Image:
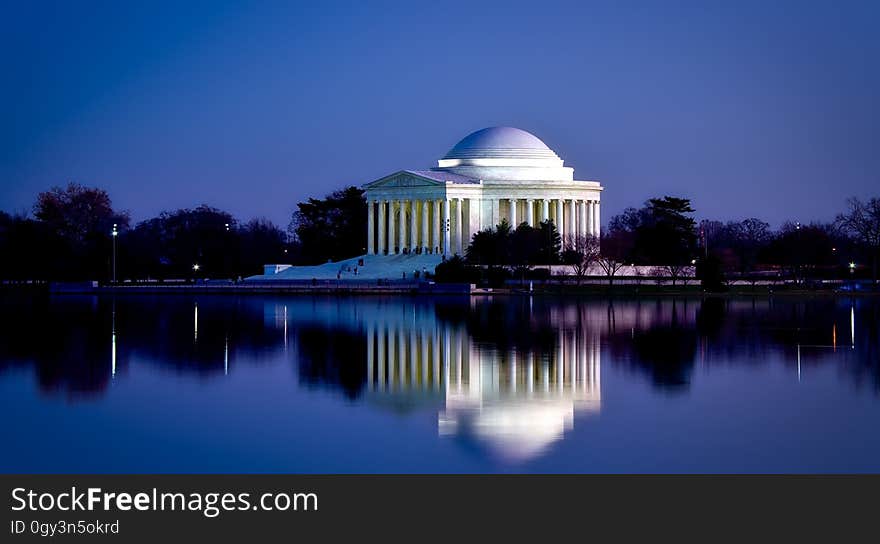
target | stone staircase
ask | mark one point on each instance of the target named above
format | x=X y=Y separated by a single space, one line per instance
x=392 y=267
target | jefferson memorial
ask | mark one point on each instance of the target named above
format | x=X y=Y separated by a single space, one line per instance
x=415 y=218
x=493 y=174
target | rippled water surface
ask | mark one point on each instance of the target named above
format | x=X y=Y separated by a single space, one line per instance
x=319 y=384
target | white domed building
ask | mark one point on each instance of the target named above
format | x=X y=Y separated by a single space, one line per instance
x=493 y=174
x=417 y=217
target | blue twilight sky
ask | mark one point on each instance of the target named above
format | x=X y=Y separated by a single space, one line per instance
x=766 y=109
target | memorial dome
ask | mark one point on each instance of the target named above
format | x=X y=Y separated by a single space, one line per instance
x=501 y=143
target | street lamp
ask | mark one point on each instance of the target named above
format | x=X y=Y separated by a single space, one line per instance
x=196 y=267
x=852 y=268
x=227 y=227
x=114 y=234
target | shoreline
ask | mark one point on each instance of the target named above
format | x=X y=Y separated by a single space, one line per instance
x=411 y=288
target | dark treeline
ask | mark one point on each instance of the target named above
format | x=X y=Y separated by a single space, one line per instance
x=663 y=234
x=332 y=228
x=69 y=236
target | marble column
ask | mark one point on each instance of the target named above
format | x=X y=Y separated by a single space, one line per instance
x=545 y=210
x=446 y=227
x=572 y=219
x=435 y=237
x=370 y=226
x=413 y=226
x=530 y=212
x=589 y=206
x=381 y=248
x=513 y=222
x=560 y=224
x=597 y=225
x=425 y=241
x=582 y=228
x=401 y=225
x=392 y=226
x=459 y=226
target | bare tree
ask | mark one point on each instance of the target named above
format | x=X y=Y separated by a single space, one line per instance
x=637 y=274
x=580 y=253
x=610 y=266
x=616 y=245
x=660 y=274
x=863 y=221
x=676 y=271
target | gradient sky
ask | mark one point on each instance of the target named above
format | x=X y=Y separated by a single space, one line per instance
x=766 y=109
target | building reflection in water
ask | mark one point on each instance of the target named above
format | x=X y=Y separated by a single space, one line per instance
x=113 y=340
x=507 y=373
x=515 y=402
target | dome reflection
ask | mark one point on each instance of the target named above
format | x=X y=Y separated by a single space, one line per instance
x=516 y=403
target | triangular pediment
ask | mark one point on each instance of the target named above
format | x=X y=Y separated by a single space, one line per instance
x=404 y=179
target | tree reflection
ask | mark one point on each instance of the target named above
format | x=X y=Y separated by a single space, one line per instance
x=69 y=348
x=342 y=344
x=664 y=348
x=332 y=357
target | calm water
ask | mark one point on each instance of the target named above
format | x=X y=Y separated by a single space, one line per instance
x=299 y=384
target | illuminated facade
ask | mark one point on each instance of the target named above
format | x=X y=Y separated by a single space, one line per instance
x=493 y=174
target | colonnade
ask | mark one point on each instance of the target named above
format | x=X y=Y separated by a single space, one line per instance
x=444 y=225
x=573 y=217
x=418 y=226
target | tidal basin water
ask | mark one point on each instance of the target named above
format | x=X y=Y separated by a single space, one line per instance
x=180 y=383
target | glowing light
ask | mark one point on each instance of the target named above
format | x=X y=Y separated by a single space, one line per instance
x=196 y=323
x=285 y=327
x=799 y=361
x=852 y=266
x=226 y=355
x=196 y=267
x=113 y=343
x=852 y=326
